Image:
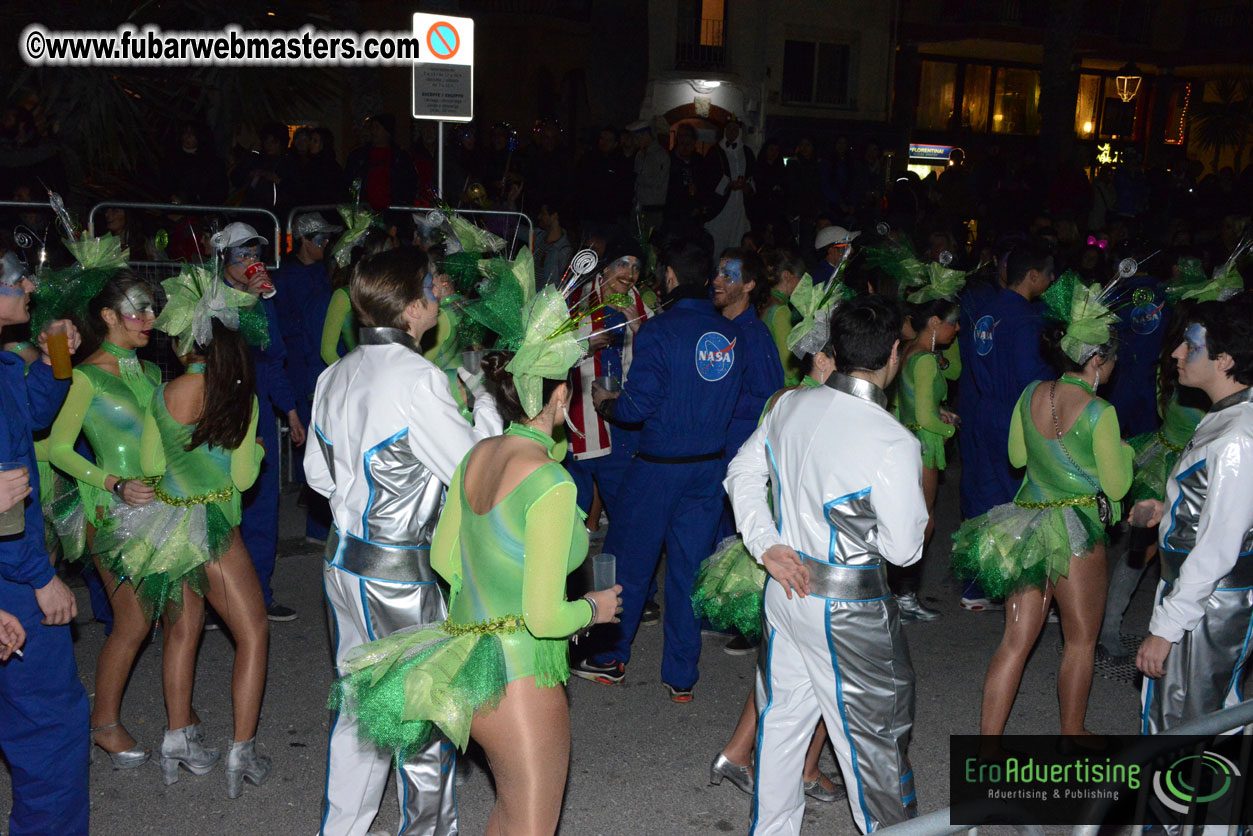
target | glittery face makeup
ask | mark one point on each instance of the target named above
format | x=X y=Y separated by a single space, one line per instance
x=731 y=271
x=136 y=305
x=428 y=287
x=239 y=255
x=1194 y=343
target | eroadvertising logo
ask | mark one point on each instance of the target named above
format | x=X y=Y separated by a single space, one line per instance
x=1173 y=788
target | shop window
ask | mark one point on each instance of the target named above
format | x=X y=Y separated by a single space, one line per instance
x=935 y=94
x=1016 y=102
x=817 y=73
x=976 y=93
x=1087 y=106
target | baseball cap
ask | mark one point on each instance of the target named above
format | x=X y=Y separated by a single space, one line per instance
x=235 y=234
x=829 y=235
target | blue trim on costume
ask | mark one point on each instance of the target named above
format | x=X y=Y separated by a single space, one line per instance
x=1175 y=507
x=839 y=700
x=907 y=776
x=826 y=513
x=778 y=500
x=913 y=796
x=326 y=783
x=1148 y=683
x=1236 y=675
x=366 y=458
x=365 y=610
x=761 y=717
x=404 y=799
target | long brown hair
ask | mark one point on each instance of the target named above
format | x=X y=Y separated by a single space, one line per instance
x=229 y=386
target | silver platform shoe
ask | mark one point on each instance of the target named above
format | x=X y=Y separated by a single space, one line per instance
x=741 y=777
x=244 y=761
x=130 y=759
x=185 y=746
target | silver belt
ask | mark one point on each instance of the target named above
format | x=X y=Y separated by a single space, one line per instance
x=386 y=563
x=841 y=582
x=1240 y=576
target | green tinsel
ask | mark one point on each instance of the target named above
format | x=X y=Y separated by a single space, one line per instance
x=728 y=589
x=1151 y=466
x=502 y=306
x=66 y=293
x=463 y=269
x=255 y=326
x=1057 y=298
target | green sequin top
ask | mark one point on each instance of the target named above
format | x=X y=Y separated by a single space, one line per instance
x=1093 y=442
x=202 y=473
x=922 y=389
x=514 y=560
x=109 y=412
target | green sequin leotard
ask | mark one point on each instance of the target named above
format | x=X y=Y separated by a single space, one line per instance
x=1054 y=515
x=1157 y=452
x=920 y=392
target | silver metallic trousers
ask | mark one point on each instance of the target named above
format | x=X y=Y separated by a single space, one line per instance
x=848 y=662
x=359 y=610
x=1204 y=670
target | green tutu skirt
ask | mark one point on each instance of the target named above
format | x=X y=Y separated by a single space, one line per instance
x=402 y=687
x=728 y=589
x=1152 y=465
x=932 y=448
x=65 y=524
x=157 y=548
x=1011 y=548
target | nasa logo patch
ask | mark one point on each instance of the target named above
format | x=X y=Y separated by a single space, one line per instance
x=985 y=328
x=715 y=355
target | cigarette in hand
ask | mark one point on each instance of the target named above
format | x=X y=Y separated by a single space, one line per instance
x=17 y=650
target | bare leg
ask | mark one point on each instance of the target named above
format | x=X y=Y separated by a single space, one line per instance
x=739 y=749
x=1081 y=601
x=811 y=772
x=930 y=487
x=527 y=742
x=235 y=594
x=1024 y=618
x=178 y=659
x=117 y=658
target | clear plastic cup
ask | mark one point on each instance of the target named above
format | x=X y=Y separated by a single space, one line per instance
x=604 y=571
x=13 y=521
x=472 y=361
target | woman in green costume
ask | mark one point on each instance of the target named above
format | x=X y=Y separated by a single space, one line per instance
x=361 y=238
x=786 y=269
x=199 y=443
x=107 y=401
x=1050 y=541
x=509 y=535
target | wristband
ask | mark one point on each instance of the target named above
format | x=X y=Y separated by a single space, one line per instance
x=595 y=610
x=117 y=489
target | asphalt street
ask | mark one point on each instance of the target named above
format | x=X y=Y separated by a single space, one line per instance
x=639 y=765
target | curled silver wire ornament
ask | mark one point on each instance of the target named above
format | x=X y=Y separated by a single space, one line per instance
x=1127 y=267
x=583 y=262
x=945 y=258
x=25 y=238
x=882 y=228
x=435 y=218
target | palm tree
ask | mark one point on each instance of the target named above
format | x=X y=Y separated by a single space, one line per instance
x=1225 y=119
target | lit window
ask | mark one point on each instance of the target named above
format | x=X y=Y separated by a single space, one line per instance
x=935 y=94
x=1016 y=102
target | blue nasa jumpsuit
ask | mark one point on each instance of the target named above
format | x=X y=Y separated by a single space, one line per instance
x=1000 y=353
x=43 y=708
x=1141 y=329
x=259 y=527
x=763 y=376
x=304 y=293
x=684 y=384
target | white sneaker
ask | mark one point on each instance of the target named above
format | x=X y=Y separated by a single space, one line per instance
x=981 y=604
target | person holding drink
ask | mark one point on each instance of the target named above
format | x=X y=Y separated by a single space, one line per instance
x=44 y=705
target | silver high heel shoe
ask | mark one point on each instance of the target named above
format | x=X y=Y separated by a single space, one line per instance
x=741 y=777
x=816 y=791
x=243 y=761
x=130 y=759
x=186 y=746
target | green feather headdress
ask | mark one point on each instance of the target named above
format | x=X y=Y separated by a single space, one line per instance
x=939 y=281
x=815 y=305
x=548 y=349
x=1225 y=283
x=357 y=223
x=1085 y=311
x=196 y=297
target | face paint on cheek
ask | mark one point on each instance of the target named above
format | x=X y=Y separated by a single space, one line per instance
x=1194 y=341
x=238 y=255
x=428 y=287
x=732 y=271
x=136 y=305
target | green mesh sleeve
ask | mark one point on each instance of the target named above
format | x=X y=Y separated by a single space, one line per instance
x=66 y=429
x=550 y=524
x=954 y=357
x=447 y=535
x=1017 y=435
x=337 y=315
x=1113 y=456
x=151 y=450
x=246 y=458
x=926 y=408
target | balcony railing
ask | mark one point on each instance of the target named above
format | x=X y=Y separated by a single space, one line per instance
x=701 y=45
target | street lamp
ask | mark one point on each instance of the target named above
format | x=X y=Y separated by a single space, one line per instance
x=1127 y=82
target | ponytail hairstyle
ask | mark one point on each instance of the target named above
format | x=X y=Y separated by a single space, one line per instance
x=919 y=315
x=499 y=382
x=229 y=386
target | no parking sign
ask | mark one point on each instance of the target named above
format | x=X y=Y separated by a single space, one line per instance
x=443 y=78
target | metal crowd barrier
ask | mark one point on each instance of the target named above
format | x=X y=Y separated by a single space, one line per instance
x=1146 y=750
x=269 y=221
x=519 y=218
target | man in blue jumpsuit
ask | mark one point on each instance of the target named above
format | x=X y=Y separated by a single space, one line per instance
x=259 y=527
x=1141 y=329
x=684 y=384
x=740 y=290
x=1000 y=353
x=43 y=708
x=304 y=293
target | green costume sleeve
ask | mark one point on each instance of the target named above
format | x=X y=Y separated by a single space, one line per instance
x=1113 y=456
x=779 y=324
x=448 y=535
x=550 y=522
x=66 y=429
x=336 y=326
x=926 y=406
x=246 y=458
x=151 y=450
x=1017 y=436
x=954 y=357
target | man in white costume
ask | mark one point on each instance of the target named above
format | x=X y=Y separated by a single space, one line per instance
x=389 y=437
x=846 y=480
x=732 y=162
